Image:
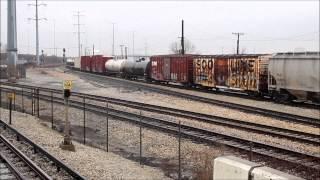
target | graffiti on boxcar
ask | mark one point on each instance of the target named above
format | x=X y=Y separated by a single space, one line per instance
x=204 y=71
x=243 y=73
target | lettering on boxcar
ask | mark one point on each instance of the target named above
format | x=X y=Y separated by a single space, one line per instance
x=204 y=71
x=243 y=73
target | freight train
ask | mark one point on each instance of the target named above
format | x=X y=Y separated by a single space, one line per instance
x=282 y=76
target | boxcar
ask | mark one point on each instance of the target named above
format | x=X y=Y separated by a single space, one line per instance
x=248 y=73
x=85 y=63
x=295 y=76
x=94 y=63
x=77 y=63
x=204 y=71
x=172 y=68
x=238 y=72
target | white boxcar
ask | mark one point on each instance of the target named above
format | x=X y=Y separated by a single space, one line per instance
x=77 y=63
x=295 y=76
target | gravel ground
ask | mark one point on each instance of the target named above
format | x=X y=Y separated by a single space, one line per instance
x=89 y=162
x=53 y=77
x=159 y=149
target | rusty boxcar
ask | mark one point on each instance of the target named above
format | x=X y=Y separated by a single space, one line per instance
x=95 y=60
x=248 y=72
x=94 y=63
x=98 y=63
x=238 y=72
x=85 y=63
x=172 y=68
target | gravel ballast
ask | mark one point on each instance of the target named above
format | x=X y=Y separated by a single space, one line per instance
x=90 y=162
x=54 y=77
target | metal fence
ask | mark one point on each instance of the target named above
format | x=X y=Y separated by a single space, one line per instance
x=91 y=122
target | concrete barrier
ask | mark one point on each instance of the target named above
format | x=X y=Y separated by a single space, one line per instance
x=233 y=168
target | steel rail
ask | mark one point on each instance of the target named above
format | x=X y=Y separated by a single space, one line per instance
x=304 y=137
x=202 y=135
x=14 y=171
x=38 y=148
x=36 y=169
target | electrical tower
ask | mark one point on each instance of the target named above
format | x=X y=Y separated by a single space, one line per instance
x=37 y=19
x=78 y=15
x=238 y=34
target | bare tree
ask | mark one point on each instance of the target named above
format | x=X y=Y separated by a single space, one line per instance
x=189 y=47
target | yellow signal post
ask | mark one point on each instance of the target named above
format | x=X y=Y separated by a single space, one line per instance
x=67 y=141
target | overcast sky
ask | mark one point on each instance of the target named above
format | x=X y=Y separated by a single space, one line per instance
x=268 y=27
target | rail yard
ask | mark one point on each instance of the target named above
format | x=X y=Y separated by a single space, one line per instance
x=163 y=90
x=207 y=129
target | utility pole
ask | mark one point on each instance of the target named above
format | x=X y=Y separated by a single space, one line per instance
x=126 y=52
x=238 y=34
x=182 y=38
x=145 y=48
x=113 y=38
x=12 y=40
x=79 y=32
x=121 y=46
x=133 y=44
x=37 y=28
x=93 y=50
x=0 y=38
x=54 y=38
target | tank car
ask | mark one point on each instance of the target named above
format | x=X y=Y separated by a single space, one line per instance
x=136 y=67
x=114 y=66
x=295 y=76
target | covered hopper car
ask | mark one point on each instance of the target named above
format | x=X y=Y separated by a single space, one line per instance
x=295 y=76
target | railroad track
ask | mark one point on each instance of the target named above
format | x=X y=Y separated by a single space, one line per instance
x=308 y=161
x=303 y=137
x=244 y=108
x=200 y=135
x=6 y=171
x=248 y=109
x=210 y=91
x=43 y=165
x=21 y=165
